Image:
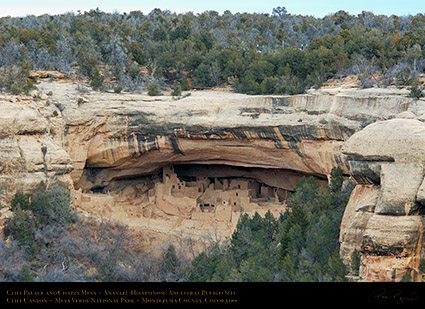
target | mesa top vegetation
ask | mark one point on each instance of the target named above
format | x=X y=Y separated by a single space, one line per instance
x=254 y=53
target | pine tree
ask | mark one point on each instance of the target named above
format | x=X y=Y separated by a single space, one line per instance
x=185 y=84
x=20 y=200
x=355 y=263
x=293 y=229
x=416 y=91
x=177 y=89
x=53 y=207
x=337 y=178
x=22 y=228
x=170 y=266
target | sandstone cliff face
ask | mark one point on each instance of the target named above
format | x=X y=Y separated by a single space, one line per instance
x=120 y=135
x=100 y=142
x=29 y=155
x=139 y=135
x=28 y=152
x=384 y=219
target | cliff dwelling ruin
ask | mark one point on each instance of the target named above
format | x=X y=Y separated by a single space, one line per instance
x=192 y=196
x=193 y=192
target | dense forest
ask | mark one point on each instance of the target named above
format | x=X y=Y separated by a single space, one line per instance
x=46 y=241
x=254 y=53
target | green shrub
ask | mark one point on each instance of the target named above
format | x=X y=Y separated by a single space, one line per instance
x=170 y=267
x=17 y=80
x=416 y=91
x=20 y=200
x=96 y=79
x=22 y=227
x=26 y=274
x=337 y=178
x=185 y=84
x=53 y=206
x=154 y=89
x=177 y=90
x=80 y=101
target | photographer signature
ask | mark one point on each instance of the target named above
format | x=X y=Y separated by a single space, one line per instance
x=383 y=295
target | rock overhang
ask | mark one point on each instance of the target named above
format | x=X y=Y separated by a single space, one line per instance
x=301 y=150
x=396 y=140
x=229 y=129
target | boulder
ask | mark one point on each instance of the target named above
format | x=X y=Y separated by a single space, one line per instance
x=420 y=195
x=399 y=140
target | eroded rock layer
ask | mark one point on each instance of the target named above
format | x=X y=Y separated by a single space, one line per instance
x=385 y=215
x=113 y=136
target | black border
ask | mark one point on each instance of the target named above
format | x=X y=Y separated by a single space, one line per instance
x=229 y=294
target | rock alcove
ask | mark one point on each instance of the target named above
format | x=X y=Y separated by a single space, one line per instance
x=189 y=191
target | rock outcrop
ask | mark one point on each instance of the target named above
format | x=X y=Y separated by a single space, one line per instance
x=109 y=149
x=112 y=136
x=28 y=153
x=384 y=219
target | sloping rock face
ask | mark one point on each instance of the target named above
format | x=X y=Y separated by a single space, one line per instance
x=117 y=138
x=384 y=218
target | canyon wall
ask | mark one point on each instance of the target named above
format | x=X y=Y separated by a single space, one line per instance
x=109 y=149
x=384 y=218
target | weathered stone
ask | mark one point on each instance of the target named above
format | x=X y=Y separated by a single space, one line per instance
x=406 y=115
x=56 y=158
x=358 y=211
x=17 y=118
x=46 y=74
x=392 y=235
x=399 y=140
x=366 y=172
x=387 y=268
x=23 y=136
x=391 y=239
x=130 y=135
x=420 y=195
x=399 y=184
